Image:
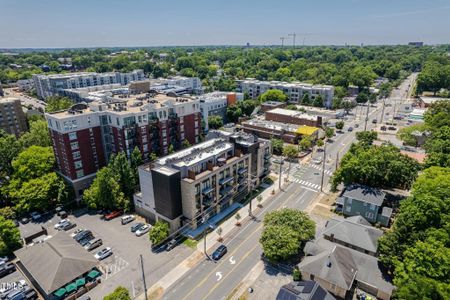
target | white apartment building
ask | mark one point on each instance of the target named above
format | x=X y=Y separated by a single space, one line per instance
x=193 y=84
x=49 y=85
x=294 y=90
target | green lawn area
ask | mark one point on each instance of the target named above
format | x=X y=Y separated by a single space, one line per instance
x=191 y=243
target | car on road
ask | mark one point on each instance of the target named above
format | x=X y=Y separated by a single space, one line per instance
x=61 y=223
x=104 y=253
x=317 y=161
x=136 y=227
x=356 y=125
x=35 y=216
x=6 y=269
x=67 y=226
x=350 y=129
x=91 y=245
x=143 y=230
x=112 y=215
x=392 y=128
x=219 y=252
x=170 y=245
x=374 y=121
x=127 y=219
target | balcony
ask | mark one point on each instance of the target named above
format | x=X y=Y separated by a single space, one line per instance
x=225 y=180
x=207 y=190
x=242 y=170
x=226 y=190
x=207 y=201
x=267 y=156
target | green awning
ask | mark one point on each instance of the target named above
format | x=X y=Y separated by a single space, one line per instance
x=60 y=292
x=93 y=274
x=80 y=282
x=71 y=287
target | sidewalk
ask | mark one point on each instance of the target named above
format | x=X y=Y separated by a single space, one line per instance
x=229 y=229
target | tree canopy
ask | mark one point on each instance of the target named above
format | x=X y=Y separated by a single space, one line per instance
x=159 y=232
x=120 y=293
x=56 y=103
x=215 y=122
x=285 y=231
x=274 y=95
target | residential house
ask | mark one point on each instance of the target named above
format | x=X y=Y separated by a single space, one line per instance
x=303 y=290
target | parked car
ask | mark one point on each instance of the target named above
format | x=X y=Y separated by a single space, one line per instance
x=219 y=252
x=61 y=223
x=112 y=215
x=6 y=269
x=35 y=216
x=127 y=219
x=63 y=214
x=317 y=161
x=16 y=295
x=350 y=129
x=356 y=125
x=76 y=231
x=24 y=220
x=143 y=230
x=136 y=227
x=91 y=245
x=86 y=240
x=170 y=245
x=383 y=128
x=104 y=253
x=67 y=226
x=81 y=235
x=374 y=121
x=392 y=128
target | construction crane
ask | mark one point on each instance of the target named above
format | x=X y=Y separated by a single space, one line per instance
x=282 y=41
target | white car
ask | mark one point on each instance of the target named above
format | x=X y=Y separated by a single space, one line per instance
x=104 y=253
x=61 y=223
x=143 y=230
x=317 y=161
x=76 y=232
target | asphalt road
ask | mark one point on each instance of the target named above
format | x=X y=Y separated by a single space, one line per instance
x=216 y=280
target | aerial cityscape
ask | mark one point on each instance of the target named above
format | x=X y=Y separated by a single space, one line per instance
x=225 y=150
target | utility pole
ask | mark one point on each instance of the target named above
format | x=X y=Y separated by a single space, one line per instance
x=367 y=116
x=281 y=170
x=293 y=37
x=204 y=236
x=337 y=160
x=323 y=165
x=382 y=112
x=282 y=41
x=250 y=214
x=143 y=276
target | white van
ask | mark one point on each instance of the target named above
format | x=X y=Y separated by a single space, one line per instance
x=127 y=219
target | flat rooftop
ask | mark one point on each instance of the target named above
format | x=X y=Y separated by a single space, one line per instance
x=8 y=99
x=272 y=125
x=285 y=84
x=292 y=113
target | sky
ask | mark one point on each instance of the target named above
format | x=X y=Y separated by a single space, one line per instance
x=132 y=23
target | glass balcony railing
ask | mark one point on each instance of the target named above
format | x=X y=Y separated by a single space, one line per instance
x=225 y=180
x=226 y=190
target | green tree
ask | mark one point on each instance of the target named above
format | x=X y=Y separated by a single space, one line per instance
x=306 y=100
x=329 y=132
x=362 y=97
x=277 y=146
x=340 y=125
x=185 y=144
x=290 y=151
x=318 y=101
x=9 y=149
x=9 y=237
x=37 y=136
x=57 y=103
x=366 y=137
x=284 y=233
x=215 y=122
x=124 y=173
x=376 y=166
x=7 y=212
x=120 y=293
x=320 y=143
x=406 y=133
x=233 y=113
x=362 y=77
x=273 y=95
x=433 y=77
x=32 y=163
x=305 y=143
x=159 y=232
x=135 y=161
x=105 y=192
x=171 y=149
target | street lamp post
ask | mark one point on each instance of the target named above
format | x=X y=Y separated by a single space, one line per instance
x=323 y=165
x=204 y=221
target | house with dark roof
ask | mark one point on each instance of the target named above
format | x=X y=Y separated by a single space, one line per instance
x=361 y=200
x=345 y=257
x=303 y=290
x=55 y=264
x=353 y=232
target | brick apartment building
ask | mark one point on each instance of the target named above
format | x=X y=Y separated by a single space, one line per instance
x=12 y=117
x=86 y=135
x=293 y=117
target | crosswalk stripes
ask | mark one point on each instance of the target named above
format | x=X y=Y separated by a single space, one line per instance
x=328 y=172
x=306 y=183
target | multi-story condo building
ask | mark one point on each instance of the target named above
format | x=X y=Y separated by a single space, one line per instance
x=197 y=186
x=294 y=90
x=191 y=84
x=49 y=85
x=12 y=117
x=86 y=135
x=215 y=104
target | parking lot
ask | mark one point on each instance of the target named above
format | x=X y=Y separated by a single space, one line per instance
x=123 y=267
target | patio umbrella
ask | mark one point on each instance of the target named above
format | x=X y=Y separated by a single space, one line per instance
x=80 y=282
x=71 y=287
x=60 y=292
x=93 y=274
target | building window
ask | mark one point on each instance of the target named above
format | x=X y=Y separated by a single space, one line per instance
x=372 y=206
x=80 y=173
x=72 y=136
x=369 y=215
x=78 y=164
x=74 y=146
x=76 y=155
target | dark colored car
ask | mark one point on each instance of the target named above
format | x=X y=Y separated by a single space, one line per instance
x=136 y=227
x=68 y=226
x=170 y=245
x=86 y=240
x=374 y=121
x=62 y=214
x=6 y=269
x=82 y=235
x=219 y=252
x=25 y=220
x=113 y=215
x=350 y=129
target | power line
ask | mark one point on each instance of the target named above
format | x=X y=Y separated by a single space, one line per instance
x=293 y=36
